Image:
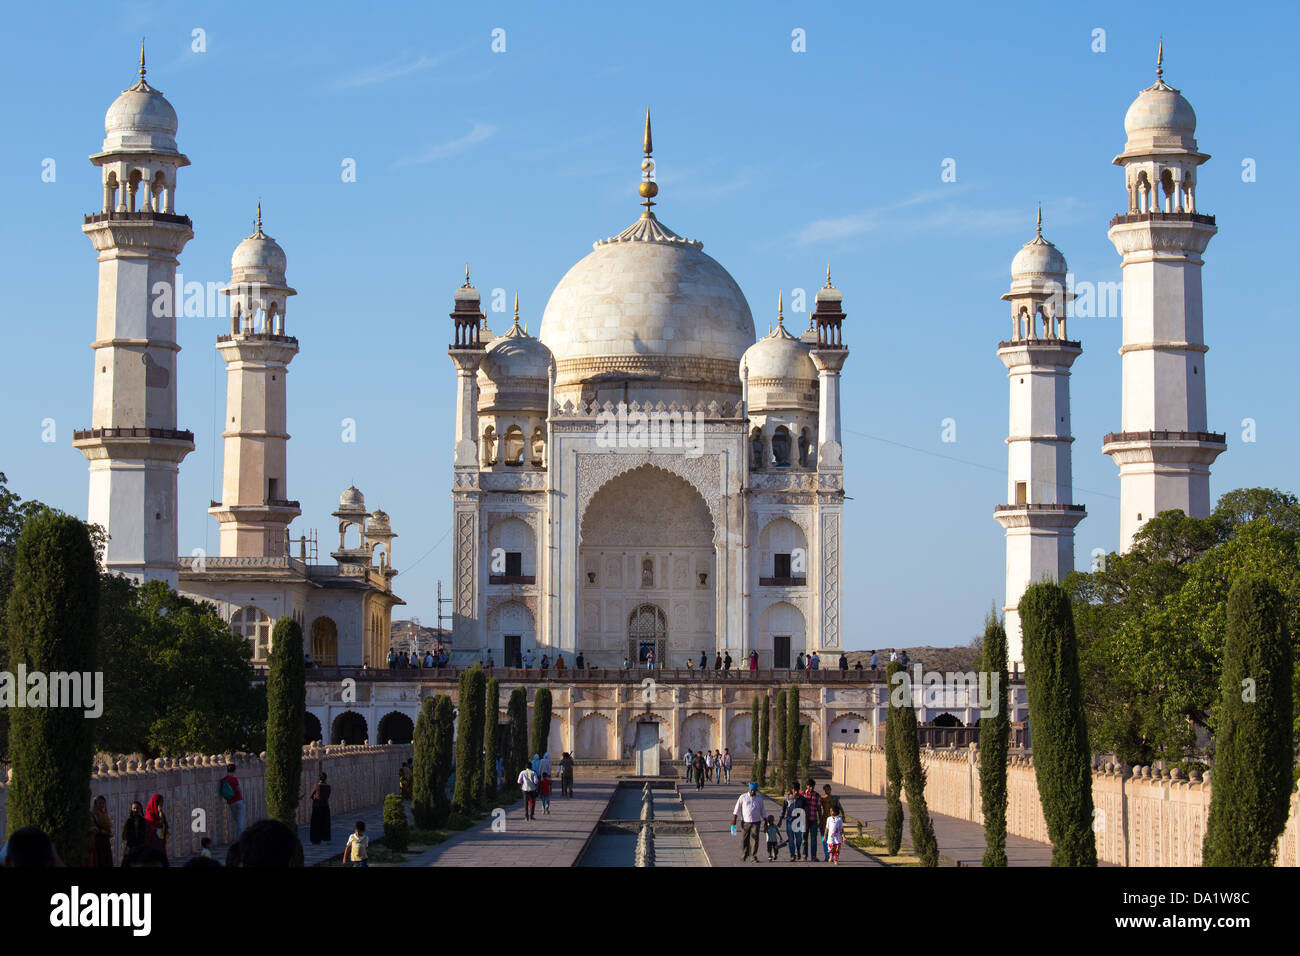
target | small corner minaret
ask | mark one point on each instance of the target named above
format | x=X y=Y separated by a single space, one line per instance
x=829 y=355
x=1040 y=515
x=466 y=351
x=255 y=511
x=133 y=445
x=1164 y=448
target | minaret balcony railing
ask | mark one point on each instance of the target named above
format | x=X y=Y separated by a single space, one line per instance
x=1040 y=507
x=171 y=434
x=258 y=337
x=1157 y=216
x=269 y=503
x=145 y=216
x=1215 y=438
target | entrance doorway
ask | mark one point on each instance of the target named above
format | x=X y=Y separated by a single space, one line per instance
x=647 y=630
x=512 y=651
x=647 y=748
x=781 y=651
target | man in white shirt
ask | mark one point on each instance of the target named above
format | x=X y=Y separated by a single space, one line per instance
x=749 y=808
x=527 y=781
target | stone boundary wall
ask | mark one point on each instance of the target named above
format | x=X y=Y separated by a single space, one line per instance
x=1146 y=817
x=360 y=777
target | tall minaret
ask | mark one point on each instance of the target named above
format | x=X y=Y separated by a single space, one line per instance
x=466 y=350
x=133 y=445
x=1164 y=450
x=255 y=510
x=1040 y=515
x=829 y=354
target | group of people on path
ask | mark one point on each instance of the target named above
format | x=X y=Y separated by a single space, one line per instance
x=535 y=781
x=809 y=818
x=707 y=765
x=412 y=660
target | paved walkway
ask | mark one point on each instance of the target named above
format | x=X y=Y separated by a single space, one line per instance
x=342 y=826
x=554 y=839
x=711 y=810
x=961 y=843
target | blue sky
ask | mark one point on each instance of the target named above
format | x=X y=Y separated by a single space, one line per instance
x=778 y=161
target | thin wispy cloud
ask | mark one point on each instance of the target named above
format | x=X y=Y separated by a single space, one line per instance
x=384 y=72
x=479 y=133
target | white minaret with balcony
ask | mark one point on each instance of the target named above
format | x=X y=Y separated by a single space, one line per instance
x=133 y=445
x=1040 y=514
x=1164 y=449
x=254 y=511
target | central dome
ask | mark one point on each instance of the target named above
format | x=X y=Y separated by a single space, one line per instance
x=649 y=307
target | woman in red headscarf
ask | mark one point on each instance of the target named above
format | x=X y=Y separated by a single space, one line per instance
x=159 y=830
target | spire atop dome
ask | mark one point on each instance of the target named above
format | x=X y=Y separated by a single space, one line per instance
x=516 y=308
x=780 y=308
x=648 y=188
x=257 y=223
x=1040 y=220
x=467 y=285
x=1160 y=61
x=142 y=70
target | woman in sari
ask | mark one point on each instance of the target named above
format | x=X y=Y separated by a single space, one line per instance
x=159 y=829
x=320 y=812
x=101 y=834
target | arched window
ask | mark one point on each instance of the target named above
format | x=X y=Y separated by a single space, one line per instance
x=252 y=624
x=781 y=446
x=647 y=630
x=804 y=445
x=648 y=573
x=539 y=446
x=756 y=448
x=324 y=642
x=514 y=450
x=489 y=446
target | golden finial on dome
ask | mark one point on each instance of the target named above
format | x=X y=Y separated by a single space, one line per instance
x=1160 y=61
x=259 y=213
x=142 y=58
x=780 y=308
x=828 y=275
x=516 y=309
x=1040 y=220
x=648 y=188
x=467 y=275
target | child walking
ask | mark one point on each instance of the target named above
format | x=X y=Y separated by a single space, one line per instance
x=358 y=845
x=773 y=837
x=544 y=791
x=834 y=833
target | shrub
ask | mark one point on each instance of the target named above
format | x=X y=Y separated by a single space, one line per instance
x=469 y=741
x=995 y=738
x=491 y=733
x=396 y=829
x=541 y=722
x=907 y=745
x=893 y=772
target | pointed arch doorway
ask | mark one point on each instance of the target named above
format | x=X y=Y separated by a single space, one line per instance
x=647 y=630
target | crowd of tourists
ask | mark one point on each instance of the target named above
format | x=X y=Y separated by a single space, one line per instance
x=708 y=765
x=536 y=781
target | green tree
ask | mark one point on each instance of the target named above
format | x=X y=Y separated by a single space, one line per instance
x=907 y=746
x=469 y=742
x=755 y=736
x=995 y=741
x=52 y=619
x=518 y=715
x=424 y=771
x=893 y=769
x=1062 y=760
x=491 y=734
x=397 y=833
x=444 y=730
x=541 y=721
x=764 y=738
x=792 y=733
x=805 y=752
x=1252 y=778
x=778 y=740
x=286 y=698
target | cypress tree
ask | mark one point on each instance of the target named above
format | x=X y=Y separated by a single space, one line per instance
x=755 y=735
x=397 y=832
x=995 y=740
x=778 y=743
x=907 y=745
x=1062 y=757
x=286 y=708
x=518 y=710
x=424 y=784
x=491 y=732
x=444 y=730
x=541 y=721
x=805 y=751
x=1251 y=777
x=52 y=619
x=893 y=770
x=469 y=741
x=765 y=738
x=791 y=748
